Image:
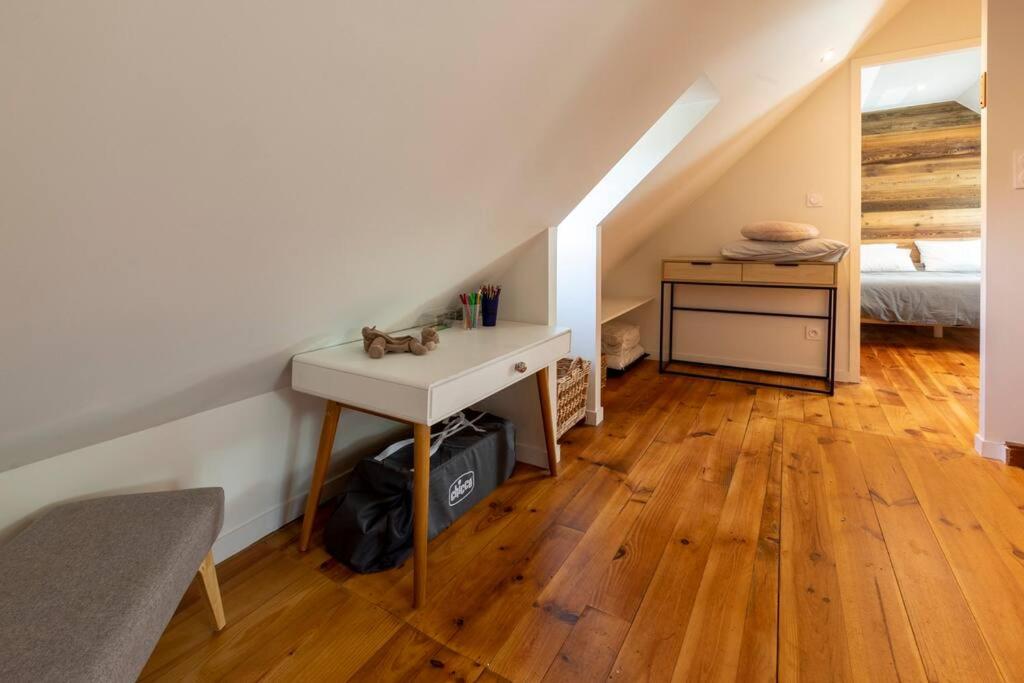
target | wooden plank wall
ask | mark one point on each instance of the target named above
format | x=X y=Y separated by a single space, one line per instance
x=921 y=174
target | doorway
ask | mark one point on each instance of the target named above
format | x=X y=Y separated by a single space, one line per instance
x=917 y=217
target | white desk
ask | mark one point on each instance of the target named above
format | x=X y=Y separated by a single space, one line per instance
x=465 y=368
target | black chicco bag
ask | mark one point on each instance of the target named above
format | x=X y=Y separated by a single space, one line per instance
x=472 y=453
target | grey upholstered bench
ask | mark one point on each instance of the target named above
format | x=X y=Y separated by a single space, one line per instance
x=88 y=588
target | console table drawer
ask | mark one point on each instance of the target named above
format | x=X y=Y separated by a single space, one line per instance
x=703 y=271
x=790 y=273
x=451 y=396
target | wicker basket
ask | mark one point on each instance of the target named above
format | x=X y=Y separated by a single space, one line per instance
x=573 y=376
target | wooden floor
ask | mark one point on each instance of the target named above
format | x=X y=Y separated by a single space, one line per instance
x=707 y=530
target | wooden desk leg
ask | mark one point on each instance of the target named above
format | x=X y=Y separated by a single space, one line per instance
x=332 y=411
x=421 y=511
x=549 y=426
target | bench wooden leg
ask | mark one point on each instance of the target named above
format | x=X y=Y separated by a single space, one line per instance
x=332 y=411
x=211 y=590
x=544 y=389
x=420 y=511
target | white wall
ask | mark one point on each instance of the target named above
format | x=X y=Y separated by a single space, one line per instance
x=579 y=235
x=1003 y=235
x=809 y=151
x=192 y=192
x=529 y=295
x=261 y=449
x=765 y=60
x=579 y=301
x=761 y=342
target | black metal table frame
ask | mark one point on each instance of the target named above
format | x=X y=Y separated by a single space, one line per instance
x=830 y=346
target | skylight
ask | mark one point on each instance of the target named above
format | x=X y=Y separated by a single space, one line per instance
x=660 y=139
x=579 y=245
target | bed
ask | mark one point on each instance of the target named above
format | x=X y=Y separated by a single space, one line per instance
x=921 y=298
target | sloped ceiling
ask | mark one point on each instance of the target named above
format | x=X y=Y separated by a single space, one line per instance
x=191 y=192
x=763 y=58
x=936 y=78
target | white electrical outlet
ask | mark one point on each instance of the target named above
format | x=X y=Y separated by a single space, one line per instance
x=812 y=332
x=1018 y=170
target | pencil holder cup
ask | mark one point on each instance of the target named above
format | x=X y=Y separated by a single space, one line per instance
x=490 y=312
x=471 y=316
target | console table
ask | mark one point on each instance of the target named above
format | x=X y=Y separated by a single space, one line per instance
x=465 y=368
x=718 y=272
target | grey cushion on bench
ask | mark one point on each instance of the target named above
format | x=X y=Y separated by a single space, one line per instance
x=88 y=588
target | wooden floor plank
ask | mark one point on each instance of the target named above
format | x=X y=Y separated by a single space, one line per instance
x=812 y=630
x=711 y=646
x=655 y=637
x=817 y=411
x=706 y=530
x=843 y=411
x=463 y=540
x=350 y=635
x=649 y=472
x=680 y=421
x=948 y=638
x=994 y=595
x=590 y=649
x=586 y=505
x=759 y=647
x=412 y=656
x=484 y=613
x=626 y=582
x=995 y=510
x=869 y=410
x=460 y=601
x=645 y=430
x=930 y=419
x=536 y=640
x=881 y=639
x=260 y=641
x=189 y=632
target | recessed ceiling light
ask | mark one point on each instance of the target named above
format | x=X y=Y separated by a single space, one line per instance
x=922 y=86
x=828 y=55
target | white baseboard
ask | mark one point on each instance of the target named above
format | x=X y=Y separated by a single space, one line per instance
x=595 y=417
x=841 y=375
x=244 y=535
x=744 y=363
x=847 y=377
x=996 y=450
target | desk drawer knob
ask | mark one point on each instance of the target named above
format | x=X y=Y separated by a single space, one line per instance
x=520 y=367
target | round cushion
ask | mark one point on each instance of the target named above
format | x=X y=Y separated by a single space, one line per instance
x=779 y=231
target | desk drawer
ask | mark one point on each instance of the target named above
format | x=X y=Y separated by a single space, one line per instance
x=460 y=392
x=790 y=273
x=703 y=271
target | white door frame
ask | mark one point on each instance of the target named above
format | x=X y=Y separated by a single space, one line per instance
x=856 y=65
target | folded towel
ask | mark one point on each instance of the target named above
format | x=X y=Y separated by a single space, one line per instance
x=619 y=361
x=616 y=336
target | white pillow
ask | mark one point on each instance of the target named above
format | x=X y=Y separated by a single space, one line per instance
x=779 y=231
x=885 y=258
x=950 y=256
